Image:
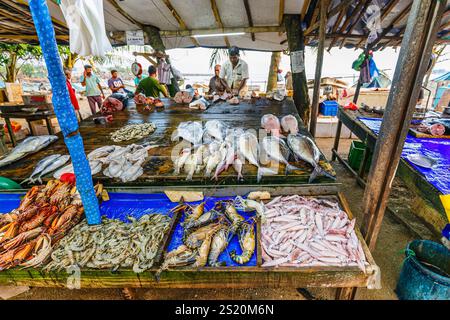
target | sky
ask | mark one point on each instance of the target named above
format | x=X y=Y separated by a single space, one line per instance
x=337 y=62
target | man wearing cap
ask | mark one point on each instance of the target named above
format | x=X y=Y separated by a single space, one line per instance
x=94 y=91
x=235 y=72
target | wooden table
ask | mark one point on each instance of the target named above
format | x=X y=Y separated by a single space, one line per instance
x=158 y=168
x=428 y=205
x=218 y=277
x=29 y=117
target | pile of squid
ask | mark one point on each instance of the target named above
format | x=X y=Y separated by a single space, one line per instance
x=113 y=244
x=44 y=216
x=303 y=232
x=207 y=234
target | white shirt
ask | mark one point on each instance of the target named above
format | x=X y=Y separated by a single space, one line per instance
x=235 y=75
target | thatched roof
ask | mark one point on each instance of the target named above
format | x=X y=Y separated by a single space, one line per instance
x=261 y=20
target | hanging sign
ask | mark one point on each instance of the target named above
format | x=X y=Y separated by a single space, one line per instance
x=135 y=38
x=297 y=61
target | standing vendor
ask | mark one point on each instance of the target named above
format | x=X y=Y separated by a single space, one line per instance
x=94 y=91
x=235 y=72
x=216 y=83
x=150 y=86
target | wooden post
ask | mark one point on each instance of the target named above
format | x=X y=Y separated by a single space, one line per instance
x=296 y=45
x=154 y=39
x=418 y=40
x=319 y=62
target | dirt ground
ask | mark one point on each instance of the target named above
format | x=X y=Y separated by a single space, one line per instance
x=388 y=255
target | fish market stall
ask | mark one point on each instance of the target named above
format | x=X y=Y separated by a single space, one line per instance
x=220 y=241
x=428 y=183
x=154 y=130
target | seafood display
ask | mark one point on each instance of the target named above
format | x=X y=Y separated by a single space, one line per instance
x=207 y=234
x=271 y=124
x=289 y=124
x=435 y=126
x=183 y=97
x=133 y=131
x=124 y=163
x=199 y=104
x=190 y=131
x=44 y=216
x=46 y=166
x=112 y=245
x=304 y=148
x=28 y=146
x=302 y=231
x=141 y=99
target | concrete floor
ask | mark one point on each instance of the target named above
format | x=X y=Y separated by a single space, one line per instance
x=388 y=255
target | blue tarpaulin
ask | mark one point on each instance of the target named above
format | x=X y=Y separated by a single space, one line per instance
x=437 y=149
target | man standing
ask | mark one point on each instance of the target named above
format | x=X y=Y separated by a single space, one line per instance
x=217 y=84
x=150 y=86
x=235 y=72
x=94 y=91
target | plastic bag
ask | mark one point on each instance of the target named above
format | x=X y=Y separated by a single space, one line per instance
x=86 y=23
x=372 y=19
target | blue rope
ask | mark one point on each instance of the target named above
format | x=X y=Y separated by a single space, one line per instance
x=64 y=110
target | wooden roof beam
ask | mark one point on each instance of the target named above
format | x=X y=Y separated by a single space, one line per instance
x=125 y=14
x=30 y=37
x=215 y=10
x=397 y=20
x=336 y=26
x=60 y=25
x=331 y=14
x=249 y=17
x=179 y=20
x=363 y=9
x=305 y=8
x=188 y=33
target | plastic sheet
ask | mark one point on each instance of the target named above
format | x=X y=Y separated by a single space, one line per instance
x=437 y=149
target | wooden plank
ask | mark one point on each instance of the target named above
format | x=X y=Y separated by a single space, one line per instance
x=249 y=17
x=158 y=168
x=217 y=277
x=216 y=13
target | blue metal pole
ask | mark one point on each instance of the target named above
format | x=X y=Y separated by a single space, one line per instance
x=64 y=110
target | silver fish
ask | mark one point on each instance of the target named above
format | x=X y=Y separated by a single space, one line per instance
x=58 y=163
x=213 y=161
x=60 y=172
x=41 y=165
x=215 y=129
x=27 y=146
x=305 y=149
x=190 y=131
x=190 y=165
x=248 y=147
x=101 y=152
x=277 y=150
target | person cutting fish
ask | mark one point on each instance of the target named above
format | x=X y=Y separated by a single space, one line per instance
x=218 y=84
x=235 y=72
x=150 y=86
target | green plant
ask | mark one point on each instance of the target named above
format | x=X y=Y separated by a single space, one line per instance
x=11 y=54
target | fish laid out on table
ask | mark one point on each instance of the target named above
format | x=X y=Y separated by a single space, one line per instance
x=215 y=147
x=44 y=216
x=113 y=244
x=304 y=232
x=46 y=166
x=124 y=163
x=28 y=146
x=206 y=234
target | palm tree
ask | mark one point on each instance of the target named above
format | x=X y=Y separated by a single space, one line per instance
x=273 y=71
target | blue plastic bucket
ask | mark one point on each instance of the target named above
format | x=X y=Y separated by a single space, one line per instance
x=425 y=272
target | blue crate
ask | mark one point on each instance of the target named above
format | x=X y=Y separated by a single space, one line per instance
x=329 y=108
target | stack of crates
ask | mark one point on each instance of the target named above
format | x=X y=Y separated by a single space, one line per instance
x=329 y=108
x=355 y=155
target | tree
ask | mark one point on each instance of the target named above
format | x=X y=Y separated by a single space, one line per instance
x=68 y=58
x=11 y=54
x=273 y=71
